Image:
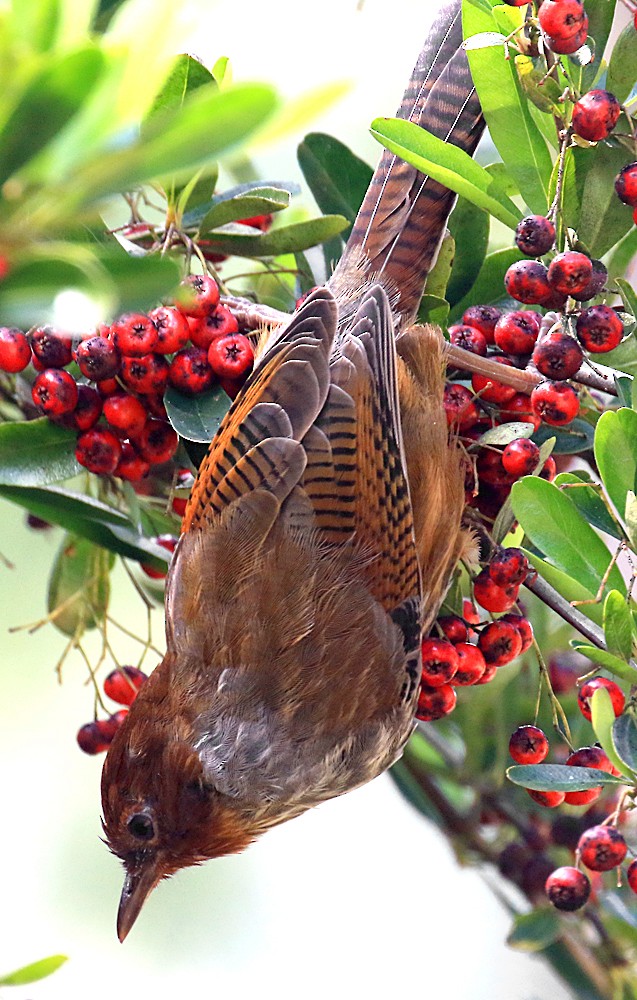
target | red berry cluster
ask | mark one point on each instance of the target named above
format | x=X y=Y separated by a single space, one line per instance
x=113 y=397
x=121 y=686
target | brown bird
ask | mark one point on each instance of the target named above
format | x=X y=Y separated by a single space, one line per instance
x=316 y=546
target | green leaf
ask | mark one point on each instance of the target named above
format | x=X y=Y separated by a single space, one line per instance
x=197 y=418
x=603 y=721
x=556 y=527
x=488 y=287
x=620 y=78
x=36 y=452
x=79 y=585
x=231 y=206
x=624 y=737
x=616 y=454
x=469 y=227
x=506 y=518
x=285 y=239
x=186 y=75
x=621 y=255
x=630 y=518
x=603 y=218
x=275 y=191
x=578 y=437
x=588 y=501
x=337 y=178
x=34 y=971
x=618 y=626
x=447 y=164
x=559 y=777
x=628 y=295
x=433 y=309
x=610 y=662
x=535 y=930
x=543 y=91
x=600 y=19
x=438 y=277
x=505 y=433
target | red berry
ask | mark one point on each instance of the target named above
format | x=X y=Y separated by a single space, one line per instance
x=135 y=335
x=595 y=114
x=122 y=684
x=490 y=390
x=118 y=717
x=570 y=271
x=524 y=627
x=491 y=470
x=98 y=359
x=591 y=757
x=568 y=888
x=439 y=662
x=87 y=409
x=626 y=184
x=470 y=612
x=231 y=356
x=262 y=222
x=107 y=386
x=172 y=329
x=198 y=294
x=460 y=406
x=563 y=671
x=98 y=450
x=435 y=702
x=558 y=356
x=561 y=19
x=190 y=372
x=595 y=285
x=520 y=457
x=491 y=597
x=126 y=414
x=54 y=392
x=602 y=848
x=96 y=737
x=500 y=642
x=631 y=871
x=168 y=542
x=482 y=318
x=469 y=339
x=566 y=46
x=550 y=800
x=549 y=469
x=519 y=408
x=588 y=689
x=557 y=403
x=205 y=329
x=15 y=352
x=527 y=281
x=471 y=665
x=508 y=566
x=51 y=347
x=131 y=465
x=147 y=374
x=453 y=628
x=528 y=745
x=516 y=332
x=534 y=235
x=600 y=329
x=157 y=442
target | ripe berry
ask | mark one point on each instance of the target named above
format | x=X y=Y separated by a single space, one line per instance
x=557 y=403
x=527 y=281
x=107 y=386
x=122 y=684
x=490 y=390
x=205 y=329
x=520 y=457
x=589 y=687
x=482 y=318
x=626 y=184
x=131 y=465
x=516 y=332
x=558 y=356
x=528 y=745
x=15 y=352
x=168 y=542
x=460 y=406
x=600 y=329
x=435 y=702
x=561 y=19
x=471 y=665
x=570 y=271
x=146 y=374
x=126 y=414
x=500 y=642
x=591 y=757
x=524 y=627
x=439 y=662
x=491 y=597
x=550 y=800
x=595 y=114
x=87 y=409
x=98 y=359
x=135 y=335
x=98 y=450
x=231 y=356
x=172 y=329
x=563 y=671
x=508 y=567
x=631 y=875
x=468 y=338
x=491 y=470
x=51 y=348
x=54 y=392
x=453 y=628
x=190 y=372
x=198 y=294
x=602 y=848
x=595 y=284
x=519 y=408
x=534 y=235
x=157 y=442
x=262 y=222
x=96 y=737
x=566 y=46
x=568 y=888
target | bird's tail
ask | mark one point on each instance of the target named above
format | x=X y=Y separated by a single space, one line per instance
x=402 y=220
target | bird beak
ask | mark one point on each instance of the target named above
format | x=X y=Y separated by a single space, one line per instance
x=138 y=885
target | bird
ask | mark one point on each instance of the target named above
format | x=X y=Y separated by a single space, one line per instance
x=316 y=546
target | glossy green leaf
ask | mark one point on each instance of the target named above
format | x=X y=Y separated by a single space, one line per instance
x=616 y=454
x=505 y=433
x=231 y=207
x=569 y=588
x=603 y=721
x=275 y=191
x=506 y=518
x=34 y=971
x=469 y=227
x=285 y=239
x=600 y=20
x=186 y=75
x=535 y=930
x=624 y=737
x=576 y=438
x=620 y=256
x=628 y=295
x=618 y=626
x=438 y=277
x=622 y=74
x=448 y=164
x=543 y=91
x=433 y=309
x=610 y=662
x=79 y=585
x=588 y=501
x=36 y=452
x=197 y=418
x=603 y=218
x=630 y=519
x=337 y=178
x=559 y=777
x=557 y=528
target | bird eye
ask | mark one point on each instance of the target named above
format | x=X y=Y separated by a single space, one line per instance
x=141 y=826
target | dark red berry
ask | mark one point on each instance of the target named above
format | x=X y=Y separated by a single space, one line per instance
x=489 y=389
x=147 y=374
x=491 y=470
x=135 y=335
x=469 y=339
x=564 y=668
x=439 y=662
x=508 y=566
x=491 y=597
x=96 y=737
x=520 y=457
x=482 y=318
x=516 y=332
x=231 y=356
x=262 y=222
x=588 y=689
x=602 y=848
x=131 y=465
x=590 y=757
x=54 y=392
x=527 y=281
x=52 y=348
x=570 y=272
x=535 y=235
x=122 y=684
x=198 y=295
x=557 y=403
x=15 y=352
x=87 y=409
x=500 y=642
x=568 y=888
x=549 y=799
x=157 y=442
x=460 y=406
x=595 y=285
x=435 y=702
x=118 y=717
x=558 y=356
x=172 y=329
x=98 y=359
x=98 y=450
x=205 y=329
x=600 y=329
x=561 y=19
x=168 y=542
x=626 y=184
x=190 y=372
x=453 y=628
x=595 y=114
x=107 y=386
x=566 y=46
x=528 y=745
x=524 y=627
x=471 y=665
x=126 y=414
x=631 y=872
